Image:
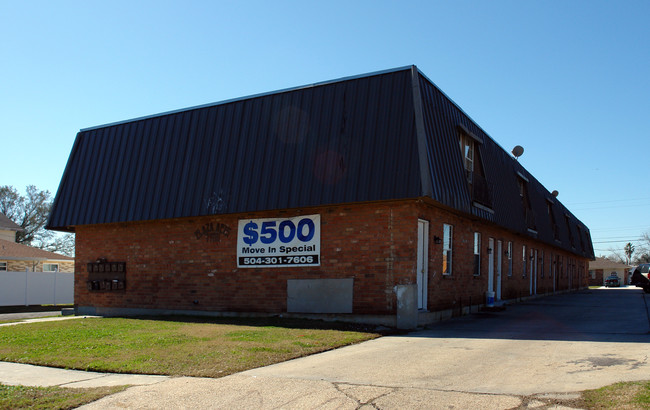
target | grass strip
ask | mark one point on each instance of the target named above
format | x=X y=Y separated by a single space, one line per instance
x=22 y=397
x=624 y=395
x=176 y=346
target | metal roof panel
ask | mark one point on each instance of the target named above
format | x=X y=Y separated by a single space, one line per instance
x=342 y=141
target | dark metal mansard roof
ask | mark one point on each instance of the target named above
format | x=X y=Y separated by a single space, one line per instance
x=381 y=136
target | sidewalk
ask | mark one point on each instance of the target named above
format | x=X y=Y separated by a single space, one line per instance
x=36 y=317
x=29 y=375
x=537 y=354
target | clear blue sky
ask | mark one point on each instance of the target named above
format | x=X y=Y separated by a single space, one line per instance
x=567 y=80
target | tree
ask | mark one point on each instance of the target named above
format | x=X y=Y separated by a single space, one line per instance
x=629 y=250
x=643 y=258
x=615 y=255
x=643 y=251
x=31 y=212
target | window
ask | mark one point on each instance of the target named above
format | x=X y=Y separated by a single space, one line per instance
x=467 y=149
x=477 y=253
x=480 y=190
x=525 y=202
x=509 y=258
x=447 y=240
x=582 y=242
x=568 y=227
x=523 y=265
x=542 y=262
x=551 y=215
x=50 y=267
x=3 y=266
x=592 y=274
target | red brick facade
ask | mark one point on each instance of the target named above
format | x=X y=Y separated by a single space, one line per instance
x=462 y=287
x=172 y=264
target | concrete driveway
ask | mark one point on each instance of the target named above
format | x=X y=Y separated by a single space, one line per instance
x=526 y=356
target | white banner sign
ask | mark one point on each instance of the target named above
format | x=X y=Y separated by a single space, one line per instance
x=275 y=242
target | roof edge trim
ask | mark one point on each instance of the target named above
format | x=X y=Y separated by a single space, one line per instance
x=26 y=258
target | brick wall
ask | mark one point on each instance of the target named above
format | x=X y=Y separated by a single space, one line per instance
x=463 y=288
x=598 y=278
x=169 y=266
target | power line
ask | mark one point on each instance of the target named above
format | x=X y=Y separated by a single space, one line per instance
x=609 y=201
x=622 y=240
x=619 y=228
x=621 y=237
x=609 y=207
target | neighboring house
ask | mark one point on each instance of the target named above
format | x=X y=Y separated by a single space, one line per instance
x=601 y=268
x=15 y=257
x=372 y=198
x=8 y=228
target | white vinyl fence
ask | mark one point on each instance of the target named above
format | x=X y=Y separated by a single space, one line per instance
x=36 y=288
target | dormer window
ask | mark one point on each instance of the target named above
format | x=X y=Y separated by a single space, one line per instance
x=467 y=149
x=568 y=227
x=525 y=201
x=551 y=216
x=480 y=189
x=582 y=242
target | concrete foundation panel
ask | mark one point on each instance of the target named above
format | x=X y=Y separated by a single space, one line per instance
x=319 y=295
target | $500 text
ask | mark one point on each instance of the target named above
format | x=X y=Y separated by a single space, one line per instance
x=286 y=231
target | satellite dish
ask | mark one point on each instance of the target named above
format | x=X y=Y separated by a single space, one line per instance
x=517 y=151
x=555 y=193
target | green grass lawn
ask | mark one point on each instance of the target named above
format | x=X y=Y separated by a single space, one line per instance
x=22 y=397
x=180 y=346
x=628 y=395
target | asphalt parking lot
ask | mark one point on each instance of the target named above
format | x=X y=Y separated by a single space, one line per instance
x=532 y=352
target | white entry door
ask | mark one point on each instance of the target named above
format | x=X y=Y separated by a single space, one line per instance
x=535 y=279
x=423 y=262
x=491 y=265
x=499 y=269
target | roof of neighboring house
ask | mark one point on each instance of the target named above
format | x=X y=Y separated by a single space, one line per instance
x=8 y=224
x=380 y=136
x=604 y=263
x=16 y=251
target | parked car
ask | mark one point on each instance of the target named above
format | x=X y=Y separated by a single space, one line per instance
x=613 y=281
x=640 y=277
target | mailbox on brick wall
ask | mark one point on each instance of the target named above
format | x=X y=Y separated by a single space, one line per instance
x=107 y=276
